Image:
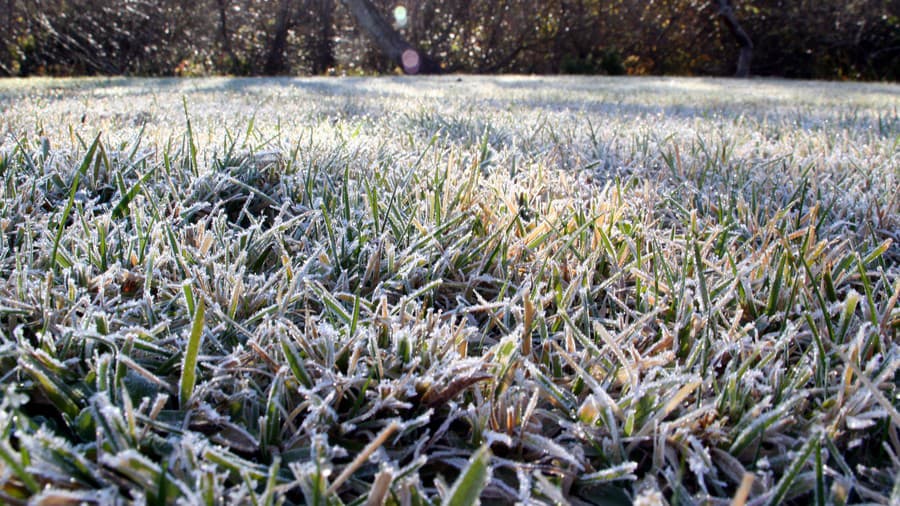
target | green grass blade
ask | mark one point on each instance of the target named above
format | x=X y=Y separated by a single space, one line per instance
x=189 y=367
x=122 y=206
x=7 y=455
x=295 y=362
x=192 y=146
x=790 y=474
x=467 y=488
x=85 y=163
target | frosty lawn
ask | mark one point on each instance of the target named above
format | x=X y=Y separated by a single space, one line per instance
x=419 y=291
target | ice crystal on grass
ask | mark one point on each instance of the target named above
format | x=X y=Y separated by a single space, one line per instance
x=582 y=290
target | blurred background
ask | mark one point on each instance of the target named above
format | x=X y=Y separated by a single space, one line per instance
x=821 y=39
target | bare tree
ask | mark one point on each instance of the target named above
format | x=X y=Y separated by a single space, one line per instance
x=726 y=11
x=389 y=41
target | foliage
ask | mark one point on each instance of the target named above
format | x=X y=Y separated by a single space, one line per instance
x=269 y=292
x=832 y=39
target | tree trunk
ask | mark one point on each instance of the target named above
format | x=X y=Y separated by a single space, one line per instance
x=224 y=36
x=6 y=40
x=391 y=43
x=727 y=13
x=275 y=59
x=322 y=46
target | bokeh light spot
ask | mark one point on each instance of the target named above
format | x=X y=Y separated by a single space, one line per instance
x=400 y=15
x=411 y=61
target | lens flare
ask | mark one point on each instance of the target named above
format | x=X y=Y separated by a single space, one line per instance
x=411 y=61
x=400 y=16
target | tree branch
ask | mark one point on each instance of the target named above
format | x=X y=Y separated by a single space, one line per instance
x=734 y=26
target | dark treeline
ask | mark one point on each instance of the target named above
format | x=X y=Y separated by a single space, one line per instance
x=831 y=39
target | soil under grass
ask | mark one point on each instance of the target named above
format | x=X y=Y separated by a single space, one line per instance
x=422 y=291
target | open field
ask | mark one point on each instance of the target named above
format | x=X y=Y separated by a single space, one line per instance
x=416 y=291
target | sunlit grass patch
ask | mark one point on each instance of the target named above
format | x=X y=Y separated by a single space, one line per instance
x=422 y=291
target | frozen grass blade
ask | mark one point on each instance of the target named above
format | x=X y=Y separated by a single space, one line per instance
x=76 y=179
x=791 y=473
x=331 y=302
x=15 y=465
x=467 y=488
x=624 y=471
x=122 y=207
x=819 y=496
x=295 y=362
x=191 y=353
x=192 y=166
